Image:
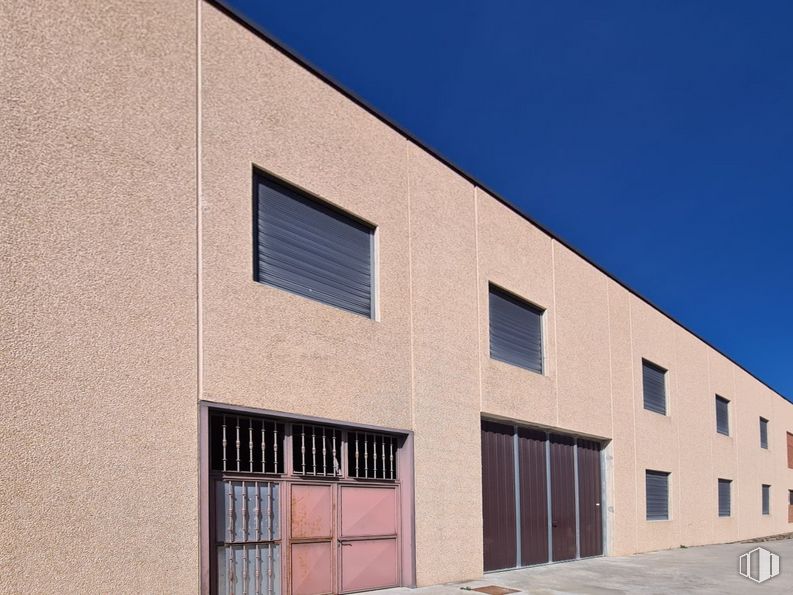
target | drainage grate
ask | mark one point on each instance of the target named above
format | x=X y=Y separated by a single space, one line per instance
x=494 y=590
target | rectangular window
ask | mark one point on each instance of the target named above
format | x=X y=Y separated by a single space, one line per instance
x=722 y=415
x=766 y=499
x=763 y=433
x=654 y=384
x=725 y=486
x=515 y=331
x=311 y=249
x=790 y=506
x=789 y=450
x=657 y=493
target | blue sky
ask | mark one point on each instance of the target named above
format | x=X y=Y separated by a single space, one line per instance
x=655 y=136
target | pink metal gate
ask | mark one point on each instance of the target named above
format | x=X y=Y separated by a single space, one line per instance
x=343 y=538
x=302 y=508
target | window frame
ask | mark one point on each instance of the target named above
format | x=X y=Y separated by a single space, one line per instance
x=647 y=364
x=763 y=433
x=261 y=176
x=726 y=403
x=657 y=473
x=765 y=496
x=519 y=301
x=728 y=482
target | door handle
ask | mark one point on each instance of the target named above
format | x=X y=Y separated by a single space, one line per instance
x=344 y=543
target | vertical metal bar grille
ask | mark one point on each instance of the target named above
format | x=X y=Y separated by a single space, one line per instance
x=371 y=456
x=248 y=542
x=245 y=444
x=310 y=454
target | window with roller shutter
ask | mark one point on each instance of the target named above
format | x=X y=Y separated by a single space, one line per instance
x=657 y=495
x=790 y=450
x=515 y=330
x=766 y=493
x=722 y=415
x=763 y=433
x=725 y=497
x=310 y=248
x=654 y=386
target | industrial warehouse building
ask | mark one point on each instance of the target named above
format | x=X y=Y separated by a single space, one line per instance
x=257 y=339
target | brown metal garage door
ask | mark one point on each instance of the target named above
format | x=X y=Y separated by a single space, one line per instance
x=541 y=497
x=533 y=497
x=590 y=515
x=498 y=496
x=563 y=514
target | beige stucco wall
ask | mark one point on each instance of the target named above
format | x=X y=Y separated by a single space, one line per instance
x=98 y=482
x=264 y=347
x=446 y=373
x=99 y=247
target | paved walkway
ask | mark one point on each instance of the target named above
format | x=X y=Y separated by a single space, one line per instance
x=708 y=570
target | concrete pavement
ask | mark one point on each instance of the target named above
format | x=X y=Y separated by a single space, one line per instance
x=707 y=570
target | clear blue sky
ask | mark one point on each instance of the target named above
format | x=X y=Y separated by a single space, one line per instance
x=655 y=136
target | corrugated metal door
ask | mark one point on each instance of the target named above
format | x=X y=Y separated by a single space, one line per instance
x=498 y=496
x=533 y=497
x=590 y=516
x=563 y=508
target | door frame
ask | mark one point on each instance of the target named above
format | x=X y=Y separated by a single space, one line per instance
x=605 y=444
x=335 y=538
x=405 y=485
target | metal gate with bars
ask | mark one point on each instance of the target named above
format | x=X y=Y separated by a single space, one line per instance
x=541 y=497
x=301 y=508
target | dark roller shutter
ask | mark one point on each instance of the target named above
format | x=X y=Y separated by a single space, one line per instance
x=722 y=416
x=515 y=331
x=766 y=499
x=724 y=497
x=654 y=382
x=657 y=488
x=312 y=249
x=763 y=433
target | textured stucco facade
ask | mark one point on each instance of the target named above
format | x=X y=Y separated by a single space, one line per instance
x=129 y=136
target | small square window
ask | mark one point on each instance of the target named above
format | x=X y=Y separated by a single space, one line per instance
x=515 y=331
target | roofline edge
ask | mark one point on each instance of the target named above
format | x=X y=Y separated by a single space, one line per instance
x=296 y=57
